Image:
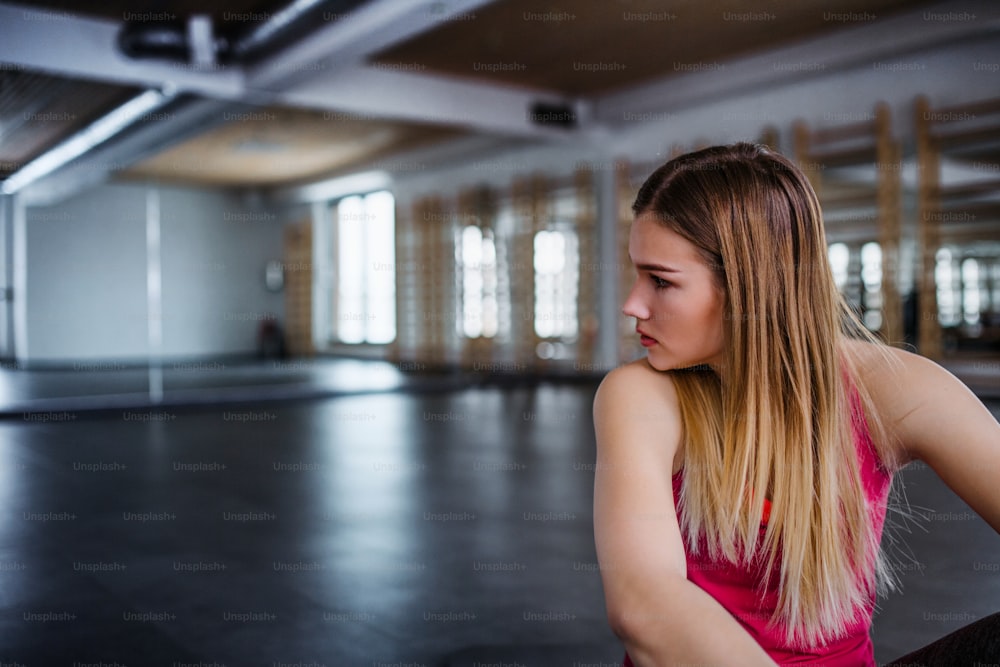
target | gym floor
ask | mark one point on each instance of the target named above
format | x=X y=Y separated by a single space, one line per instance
x=416 y=519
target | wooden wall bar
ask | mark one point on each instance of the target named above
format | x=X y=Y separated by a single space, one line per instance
x=298 y=289
x=433 y=274
x=888 y=165
x=587 y=298
x=530 y=204
x=835 y=159
x=628 y=342
x=408 y=315
x=928 y=235
x=958 y=152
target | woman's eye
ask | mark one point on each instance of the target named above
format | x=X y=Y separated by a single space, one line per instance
x=660 y=282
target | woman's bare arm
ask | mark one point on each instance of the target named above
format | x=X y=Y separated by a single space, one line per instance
x=662 y=618
x=939 y=421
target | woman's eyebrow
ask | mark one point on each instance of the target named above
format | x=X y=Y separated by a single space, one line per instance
x=657 y=267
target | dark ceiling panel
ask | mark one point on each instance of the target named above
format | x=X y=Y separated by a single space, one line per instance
x=39 y=110
x=586 y=47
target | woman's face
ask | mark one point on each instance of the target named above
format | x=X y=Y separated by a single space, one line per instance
x=677 y=306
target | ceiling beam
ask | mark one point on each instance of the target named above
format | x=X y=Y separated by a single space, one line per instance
x=373 y=92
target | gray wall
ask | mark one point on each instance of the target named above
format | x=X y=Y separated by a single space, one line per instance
x=86 y=279
x=85 y=286
x=214 y=248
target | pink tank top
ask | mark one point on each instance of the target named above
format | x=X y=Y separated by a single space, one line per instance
x=735 y=587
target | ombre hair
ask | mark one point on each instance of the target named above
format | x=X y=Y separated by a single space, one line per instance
x=780 y=417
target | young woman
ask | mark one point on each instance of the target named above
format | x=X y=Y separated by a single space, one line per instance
x=743 y=466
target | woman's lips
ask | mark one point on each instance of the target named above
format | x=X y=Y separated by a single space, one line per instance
x=646 y=341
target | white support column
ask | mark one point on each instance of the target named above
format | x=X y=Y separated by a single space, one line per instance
x=19 y=266
x=321 y=261
x=6 y=211
x=154 y=296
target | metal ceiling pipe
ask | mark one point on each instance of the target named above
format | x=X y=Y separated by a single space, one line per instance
x=175 y=41
x=167 y=40
x=262 y=36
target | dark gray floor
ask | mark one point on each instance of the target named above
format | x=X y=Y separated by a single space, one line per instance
x=407 y=528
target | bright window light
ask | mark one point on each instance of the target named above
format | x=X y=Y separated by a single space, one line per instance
x=556 y=261
x=946 y=279
x=971 y=302
x=472 y=282
x=365 y=269
x=478 y=266
x=840 y=257
x=871 y=279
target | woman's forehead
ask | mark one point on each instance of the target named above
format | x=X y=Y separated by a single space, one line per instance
x=652 y=242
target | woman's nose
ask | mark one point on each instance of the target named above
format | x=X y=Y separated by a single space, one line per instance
x=634 y=305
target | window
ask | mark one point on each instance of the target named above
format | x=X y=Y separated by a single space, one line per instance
x=860 y=285
x=840 y=258
x=556 y=259
x=971 y=303
x=994 y=293
x=871 y=280
x=948 y=293
x=365 y=269
x=478 y=267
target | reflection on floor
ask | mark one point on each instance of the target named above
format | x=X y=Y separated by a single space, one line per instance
x=110 y=385
x=417 y=528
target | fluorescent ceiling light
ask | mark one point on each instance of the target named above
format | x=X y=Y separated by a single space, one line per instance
x=94 y=134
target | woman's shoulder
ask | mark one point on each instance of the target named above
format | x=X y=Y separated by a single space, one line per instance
x=882 y=368
x=634 y=402
x=900 y=383
x=637 y=383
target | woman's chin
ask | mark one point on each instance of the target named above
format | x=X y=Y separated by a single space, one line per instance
x=659 y=361
x=662 y=362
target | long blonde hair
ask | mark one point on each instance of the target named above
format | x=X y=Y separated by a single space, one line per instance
x=779 y=421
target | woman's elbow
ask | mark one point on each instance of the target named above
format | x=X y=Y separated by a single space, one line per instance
x=630 y=620
x=640 y=613
x=619 y=622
